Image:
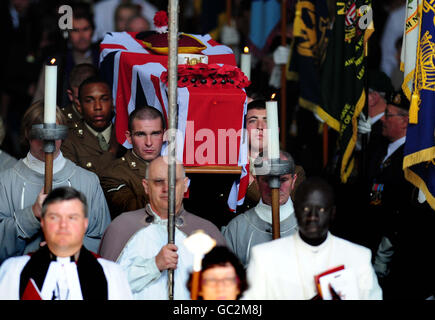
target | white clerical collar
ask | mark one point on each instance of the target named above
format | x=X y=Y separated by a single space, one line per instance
x=157 y=218
x=264 y=211
x=106 y=132
x=39 y=166
x=393 y=146
x=62 y=281
x=376 y=118
x=313 y=249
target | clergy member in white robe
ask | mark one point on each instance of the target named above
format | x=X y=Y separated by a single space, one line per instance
x=255 y=225
x=147 y=256
x=286 y=268
x=63 y=269
x=146 y=280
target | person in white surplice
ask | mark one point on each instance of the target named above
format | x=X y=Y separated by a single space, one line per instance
x=285 y=268
x=63 y=269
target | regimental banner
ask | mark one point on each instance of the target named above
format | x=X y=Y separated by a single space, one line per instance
x=419 y=152
x=343 y=76
x=264 y=25
x=311 y=33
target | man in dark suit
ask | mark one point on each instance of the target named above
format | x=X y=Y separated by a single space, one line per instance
x=389 y=192
x=400 y=226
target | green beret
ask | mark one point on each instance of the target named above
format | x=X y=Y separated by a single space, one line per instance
x=398 y=99
x=379 y=81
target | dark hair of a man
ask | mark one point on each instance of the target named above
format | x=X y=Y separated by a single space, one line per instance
x=254 y=94
x=221 y=256
x=92 y=80
x=64 y=194
x=145 y=113
x=257 y=104
x=311 y=184
x=35 y=115
x=82 y=10
x=81 y=72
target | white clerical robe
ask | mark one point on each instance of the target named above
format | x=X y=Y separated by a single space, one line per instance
x=138 y=260
x=62 y=278
x=284 y=269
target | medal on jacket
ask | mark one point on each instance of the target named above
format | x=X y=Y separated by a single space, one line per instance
x=376 y=194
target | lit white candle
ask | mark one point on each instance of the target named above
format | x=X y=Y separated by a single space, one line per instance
x=245 y=62
x=50 y=92
x=272 y=129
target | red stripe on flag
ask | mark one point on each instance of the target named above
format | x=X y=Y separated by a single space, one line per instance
x=123 y=94
x=156 y=83
x=213 y=43
x=244 y=183
x=215 y=112
x=222 y=59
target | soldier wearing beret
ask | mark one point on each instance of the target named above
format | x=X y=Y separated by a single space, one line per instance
x=92 y=144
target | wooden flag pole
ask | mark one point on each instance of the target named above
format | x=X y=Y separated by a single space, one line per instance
x=48 y=178
x=172 y=102
x=325 y=145
x=228 y=12
x=275 y=214
x=283 y=133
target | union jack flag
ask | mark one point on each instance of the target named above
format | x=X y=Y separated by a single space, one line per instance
x=135 y=73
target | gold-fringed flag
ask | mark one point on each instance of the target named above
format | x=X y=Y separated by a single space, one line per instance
x=409 y=45
x=310 y=34
x=343 y=76
x=419 y=152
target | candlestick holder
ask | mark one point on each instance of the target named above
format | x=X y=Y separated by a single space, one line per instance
x=49 y=133
x=273 y=168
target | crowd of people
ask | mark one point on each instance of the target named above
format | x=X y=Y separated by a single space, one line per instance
x=102 y=232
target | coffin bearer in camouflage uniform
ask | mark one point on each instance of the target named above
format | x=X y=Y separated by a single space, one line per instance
x=92 y=144
x=78 y=74
x=122 y=184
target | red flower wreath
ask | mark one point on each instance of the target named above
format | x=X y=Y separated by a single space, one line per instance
x=209 y=75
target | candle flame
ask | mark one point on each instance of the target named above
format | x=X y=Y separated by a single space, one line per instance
x=273 y=96
x=53 y=60
x=246 y=50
